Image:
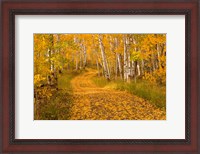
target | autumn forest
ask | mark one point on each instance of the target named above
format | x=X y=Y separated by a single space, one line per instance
x=100 y=76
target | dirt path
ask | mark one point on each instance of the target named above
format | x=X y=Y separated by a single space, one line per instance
x=92 y=102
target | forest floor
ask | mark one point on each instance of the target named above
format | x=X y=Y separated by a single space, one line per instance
x=91 y=102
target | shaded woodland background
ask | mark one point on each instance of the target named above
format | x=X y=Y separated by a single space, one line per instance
x=135 y=63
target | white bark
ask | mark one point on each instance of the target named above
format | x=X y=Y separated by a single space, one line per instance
x=126 y=59
x=158 y=53
x=120 y=66
x=80 y=61
x=138 y=69
x=116 y=65
x=105 y=64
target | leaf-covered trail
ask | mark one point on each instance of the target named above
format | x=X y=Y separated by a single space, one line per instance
x=92 y=102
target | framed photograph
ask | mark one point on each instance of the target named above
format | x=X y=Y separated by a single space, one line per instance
x=118 y=76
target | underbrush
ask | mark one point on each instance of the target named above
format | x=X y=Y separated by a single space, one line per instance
x=65 y=79
x=58 y=105
x=101 y=81
x=155 y=94
x=55 y=108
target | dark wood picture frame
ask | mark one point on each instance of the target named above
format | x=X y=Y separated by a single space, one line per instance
x=116 y=7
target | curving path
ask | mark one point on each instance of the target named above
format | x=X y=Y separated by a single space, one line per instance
x=94 y=103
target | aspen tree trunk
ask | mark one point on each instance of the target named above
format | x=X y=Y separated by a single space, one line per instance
x=76 y=63
x=112 y=48
x=105 y=64
x=101 y=65
x=80 y=61
x=158 y=53
x=116 y=65
x=97 y=62
x=134 y=63
x=117 y=60
x=138 y=69
x=129 y=67
x=96 y=53
x=98 y=67
x=85 y=57
x=152 y=63
x=132 y=68
x=126 y=59
x=142 y=67
x=135 y=70
x=102 y=69
x=58 y=51
x=77 y=53
x=120 y=66
x=109 y=68
x=50 y=53
x=49 y=60
x=55 y=67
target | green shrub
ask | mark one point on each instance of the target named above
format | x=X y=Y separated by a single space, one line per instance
x=100 y=81
x=155 y=94
x=151 y=92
